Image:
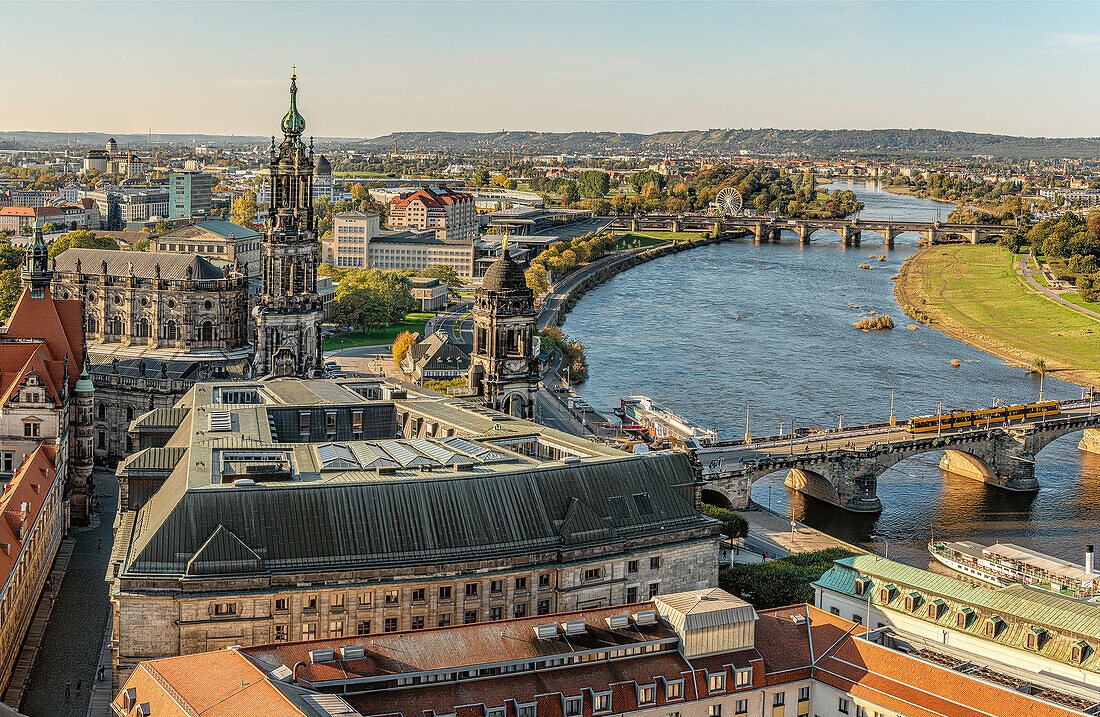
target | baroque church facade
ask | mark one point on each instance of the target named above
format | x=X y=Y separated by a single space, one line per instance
x=158 y=322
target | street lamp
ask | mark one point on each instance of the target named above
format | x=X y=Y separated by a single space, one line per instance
x=886 y=553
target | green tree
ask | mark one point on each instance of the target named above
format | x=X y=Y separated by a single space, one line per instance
x=537 y=280
x=244 y=209
x=391 y=287
x=10 y=257
x=567 y=188
x=361 y=308
x=162 y=226
x=639 y=180
x=481 y=177
x=11 y=288
x=734 y=525
x=594 y=184
x=142 y=244
x=446 y=274
x=81 y=239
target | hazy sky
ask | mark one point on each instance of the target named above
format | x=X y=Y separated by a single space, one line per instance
x=365 y=69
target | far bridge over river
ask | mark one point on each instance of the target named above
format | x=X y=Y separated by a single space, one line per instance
x=851 y=231
x=842 y=466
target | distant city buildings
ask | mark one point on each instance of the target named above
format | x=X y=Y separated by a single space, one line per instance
x=189 y=194
x=358 y=242
x=452 y=215
x=120 y=208
x=17 y=219
x=349 y=244
x=112 y=160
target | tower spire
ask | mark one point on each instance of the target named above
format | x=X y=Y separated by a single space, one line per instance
x=36 y=273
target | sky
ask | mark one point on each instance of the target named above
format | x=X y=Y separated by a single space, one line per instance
x=366 y=69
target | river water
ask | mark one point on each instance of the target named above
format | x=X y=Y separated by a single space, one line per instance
x=717 y=330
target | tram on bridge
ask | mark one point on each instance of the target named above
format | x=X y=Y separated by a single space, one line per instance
x=986 y=417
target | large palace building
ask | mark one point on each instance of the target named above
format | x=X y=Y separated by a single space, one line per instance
x=290 y=510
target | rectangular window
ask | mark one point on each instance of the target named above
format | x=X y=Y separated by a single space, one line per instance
x=860 y=712
x=743 y=678
x=495 y=613
x=309 y=630
x=444 y=620
x=391 y=624
x=471 y=590
x=717 y=681
x=521 y=584
x=304 y=423
x=526 y=711
x=417 y=622
x=280 y=604
x=356 y=425
x=573 y=706
x=418 y=595
x=310 y=602
x=655 y=562
x=714 y=711
x=842 y=706
x=445 y=593
x=336 y=628
x=519 y=610
x=654 y=588
x=592 y=574
x=544 y=580
x=225 y=608
x=496 y=586
x=280 y=633
x=803 y=693
x=393 y=597
x=363 y=627
x=742 y=707
x=778 y=699
x=674 y=690
x=631 y=595
x=646 y=695
x=366 y=599
x=544 y=607
x=632 y=566
x=470 y=617
x=601 y=702
x=338 y=601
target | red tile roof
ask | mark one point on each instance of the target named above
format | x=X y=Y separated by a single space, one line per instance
x=59 y=325
x=21 y=503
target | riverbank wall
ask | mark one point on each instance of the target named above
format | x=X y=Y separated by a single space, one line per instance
x=575 y=293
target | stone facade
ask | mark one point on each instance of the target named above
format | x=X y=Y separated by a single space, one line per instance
x=243 y=612
x=290 y=312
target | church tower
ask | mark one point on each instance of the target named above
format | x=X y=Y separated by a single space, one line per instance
x=36 y=272
x=504 y=367
x=289 y=314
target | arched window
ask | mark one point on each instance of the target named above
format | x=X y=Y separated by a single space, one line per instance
x=93 y=325
x=170 y=332
x=129 y=413
x=143 y=328
x=101 y=411
x=116 y=324
x=207 y=332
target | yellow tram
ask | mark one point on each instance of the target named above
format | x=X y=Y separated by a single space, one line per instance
x=983 y=418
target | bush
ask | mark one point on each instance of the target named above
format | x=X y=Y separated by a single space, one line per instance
x=734 y=525
x=779 y=582
x=876 y=323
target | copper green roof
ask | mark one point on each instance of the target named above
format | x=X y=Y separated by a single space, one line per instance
x=1019 y=607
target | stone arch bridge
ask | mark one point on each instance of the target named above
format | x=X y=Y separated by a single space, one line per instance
x=851 y=231
x=842 y=467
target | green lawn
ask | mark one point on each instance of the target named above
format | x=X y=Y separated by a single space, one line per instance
x=413 y=322
x=971 y=293
x=1076 y=299
x=631 y=240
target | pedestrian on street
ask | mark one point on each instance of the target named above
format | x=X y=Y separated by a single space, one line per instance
x=78 y=686
x=98 y=544
x=68 y=689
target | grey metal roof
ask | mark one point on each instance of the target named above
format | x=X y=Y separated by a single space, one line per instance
x=218 y=227
x=704 y=608
x=296 y=527
x=172 y=265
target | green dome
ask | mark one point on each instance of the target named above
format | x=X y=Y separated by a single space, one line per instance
x=293 y=123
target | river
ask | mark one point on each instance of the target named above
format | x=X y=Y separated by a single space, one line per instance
x=718 y=330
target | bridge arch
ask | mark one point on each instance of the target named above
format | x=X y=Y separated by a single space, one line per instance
x=716 y=496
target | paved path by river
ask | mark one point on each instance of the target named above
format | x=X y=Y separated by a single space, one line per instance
x=1023 y=268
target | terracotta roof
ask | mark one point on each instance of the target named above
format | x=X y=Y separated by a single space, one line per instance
x=59 y=326
x=21 y=502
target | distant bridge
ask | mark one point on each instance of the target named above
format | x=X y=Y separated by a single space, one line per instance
x=842 y=466
x=850 y=230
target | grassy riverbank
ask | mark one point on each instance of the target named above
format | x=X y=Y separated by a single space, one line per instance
x=972 y=294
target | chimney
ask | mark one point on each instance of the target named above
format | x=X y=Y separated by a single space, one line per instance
x=1088 y=560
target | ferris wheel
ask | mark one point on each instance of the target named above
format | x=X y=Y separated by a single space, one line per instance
x=729 y=201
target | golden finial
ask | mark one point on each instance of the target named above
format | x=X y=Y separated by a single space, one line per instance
x=293 y=73
x=504 y=248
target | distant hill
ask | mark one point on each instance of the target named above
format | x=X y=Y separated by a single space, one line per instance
x=53 y=140
x=891 y=143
